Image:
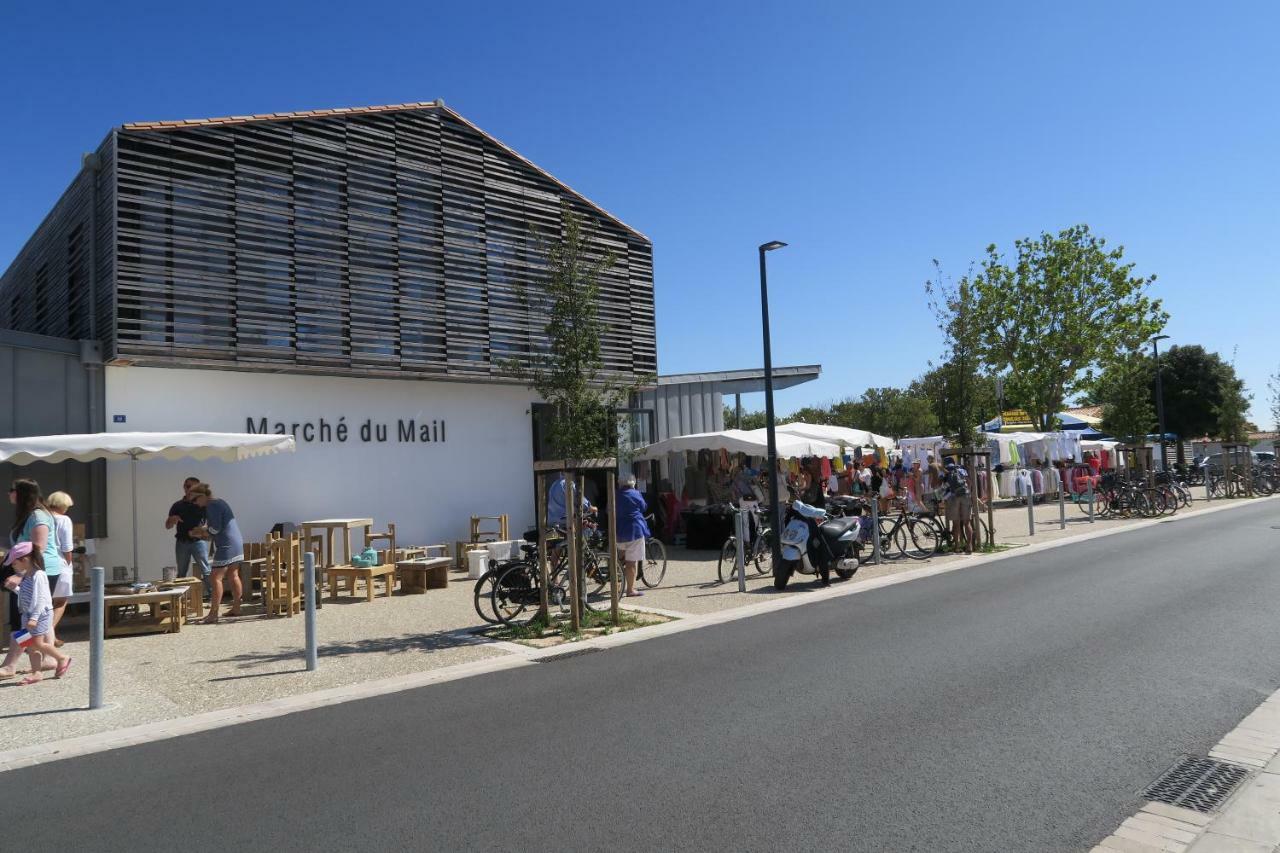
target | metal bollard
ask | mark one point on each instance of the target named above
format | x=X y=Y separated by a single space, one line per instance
x=1091 y=499
x=97 y=617
x=309 y=591
x=875 y=529
x=743 y=531
x=1062 y=507
x=1031 y=515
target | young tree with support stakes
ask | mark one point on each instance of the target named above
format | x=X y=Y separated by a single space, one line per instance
x=1064 y=307
x=569 y=375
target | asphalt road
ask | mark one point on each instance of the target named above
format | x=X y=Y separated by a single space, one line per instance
x=1016 y=706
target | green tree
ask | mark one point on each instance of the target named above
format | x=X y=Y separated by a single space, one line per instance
x=1193 y=381
x=894 y=412
x=569 y=373
x=1233 y=412
x=1065 y=307
x=750 y=420
x=941 y=387
x=1124 y=390
x=954 y=385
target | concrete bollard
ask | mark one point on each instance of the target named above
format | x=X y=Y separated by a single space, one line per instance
x=97 y=635
x=309 y=608
x=743 y=531
x=875 y=529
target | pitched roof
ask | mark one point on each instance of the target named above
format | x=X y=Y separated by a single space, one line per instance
x=183 y=124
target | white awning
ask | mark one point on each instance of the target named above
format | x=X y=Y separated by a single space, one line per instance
x=750 y=442
x=848 y=436
x=132 y=446
x=87 y=447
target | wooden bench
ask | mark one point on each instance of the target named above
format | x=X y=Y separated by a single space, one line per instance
x=424 y=573
x=164 y=612
x=351 y=574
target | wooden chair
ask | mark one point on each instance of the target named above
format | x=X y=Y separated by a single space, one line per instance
x=282 y=586
x=497 y=534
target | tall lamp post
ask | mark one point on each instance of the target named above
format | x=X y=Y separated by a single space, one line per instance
x=774 y=498
x=1155 y=348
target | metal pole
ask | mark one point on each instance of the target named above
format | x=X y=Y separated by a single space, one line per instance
x=1062 y=501
x=309 y=611
x=133 y=475
x=875 y=529
x=97 y=616
x=544 y=573
x=1155 y=346
x=740 y=561
x=737 y=410
x=774 y=498
x=1031 y=514
x=1090 y=496
x=611 y=484
x=571 y=507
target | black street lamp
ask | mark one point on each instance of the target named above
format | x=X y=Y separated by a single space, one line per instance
x=1155 y=347
x=775 y=500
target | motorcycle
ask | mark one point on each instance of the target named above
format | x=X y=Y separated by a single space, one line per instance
x=813 y=543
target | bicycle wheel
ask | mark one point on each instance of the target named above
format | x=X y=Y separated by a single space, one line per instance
x=924 y=537
x=763 y=559
x=728 y=560
x=888 y=544
x=654 y=567
x=515 y=595
x=482 y=598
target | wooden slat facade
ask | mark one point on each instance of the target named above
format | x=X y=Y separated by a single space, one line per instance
x=392 y=243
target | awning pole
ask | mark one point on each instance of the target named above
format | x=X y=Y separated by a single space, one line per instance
x=133 y=476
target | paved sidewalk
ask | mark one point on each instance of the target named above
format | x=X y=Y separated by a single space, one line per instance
x=253 y=660
x=1250 y=820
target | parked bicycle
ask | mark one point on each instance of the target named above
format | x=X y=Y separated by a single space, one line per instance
x=759 y=551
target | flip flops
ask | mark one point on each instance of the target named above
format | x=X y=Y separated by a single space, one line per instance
x=62 y=668
x=30 y=680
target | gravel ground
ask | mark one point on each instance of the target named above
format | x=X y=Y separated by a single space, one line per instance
x=252 y=659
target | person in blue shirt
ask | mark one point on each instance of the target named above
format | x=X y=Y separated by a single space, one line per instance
x=223 y=531
x=556 y=503
x=633 y=530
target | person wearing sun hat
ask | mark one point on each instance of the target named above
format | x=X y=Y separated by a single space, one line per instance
x=36 y=603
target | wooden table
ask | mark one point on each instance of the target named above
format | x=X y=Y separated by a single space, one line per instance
x=165 y=611
x=422 y=574
x=331 y=526
x=386 y=571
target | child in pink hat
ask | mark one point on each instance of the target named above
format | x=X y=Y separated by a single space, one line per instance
x=36 y=605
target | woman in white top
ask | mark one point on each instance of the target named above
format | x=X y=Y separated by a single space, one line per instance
x=59 y=503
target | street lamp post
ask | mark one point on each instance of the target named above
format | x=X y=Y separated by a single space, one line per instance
x=1155 y=347
x=775 y=509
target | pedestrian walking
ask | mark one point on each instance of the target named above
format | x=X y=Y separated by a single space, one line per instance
x=632 y=531
x=221 y=528
x=59 y=503
x=36 y=603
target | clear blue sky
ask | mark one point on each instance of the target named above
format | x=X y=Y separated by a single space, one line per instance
x=871 y=137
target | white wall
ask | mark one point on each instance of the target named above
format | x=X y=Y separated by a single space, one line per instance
x=483 y=465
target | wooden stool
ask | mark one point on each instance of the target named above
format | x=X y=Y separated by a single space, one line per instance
x=418 y=576
x=478 y=534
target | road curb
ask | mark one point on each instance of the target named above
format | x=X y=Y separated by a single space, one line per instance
x=516 y=655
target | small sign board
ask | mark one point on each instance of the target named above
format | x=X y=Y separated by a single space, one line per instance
x=117 y=419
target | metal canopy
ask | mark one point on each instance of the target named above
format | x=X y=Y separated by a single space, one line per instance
x=746 y=381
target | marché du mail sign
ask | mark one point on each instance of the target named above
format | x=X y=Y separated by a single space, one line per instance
x=322 y=431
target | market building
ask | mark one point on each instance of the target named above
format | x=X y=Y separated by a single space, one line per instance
x=351 y=276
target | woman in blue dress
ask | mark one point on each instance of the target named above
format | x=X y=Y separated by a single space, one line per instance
x=220 y=528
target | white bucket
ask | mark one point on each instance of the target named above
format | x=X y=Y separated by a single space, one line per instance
x=477 y=564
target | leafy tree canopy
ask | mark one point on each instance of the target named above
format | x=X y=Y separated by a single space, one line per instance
x=1062 y=308
x=1124 y=389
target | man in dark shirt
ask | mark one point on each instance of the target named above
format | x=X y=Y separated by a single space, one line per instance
x=185 y=515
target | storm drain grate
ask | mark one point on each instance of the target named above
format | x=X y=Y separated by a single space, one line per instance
x=566 y=655
x=1200 y=784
